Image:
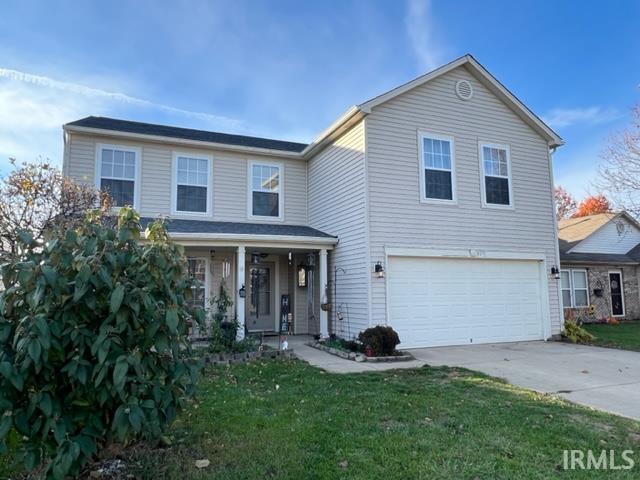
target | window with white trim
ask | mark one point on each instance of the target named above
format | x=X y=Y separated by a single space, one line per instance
x=266 y=198
x=496 y=175
x=192 y=184
x=198 y=271
x=438 y=166
x=574 y=286
x=118 y=175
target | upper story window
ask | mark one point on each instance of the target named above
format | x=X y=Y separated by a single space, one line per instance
x=496 y=181
x=575 y=292
x=191 y=189
x=265 y=181
x=437 y=176
x=118 y=173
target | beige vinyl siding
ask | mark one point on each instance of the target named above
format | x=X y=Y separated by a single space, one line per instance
x=337 y=205
x=399 y=219
x=81 y=159
x=230 y=182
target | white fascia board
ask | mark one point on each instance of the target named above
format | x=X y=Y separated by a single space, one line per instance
x=462 y=253
x=249 y=238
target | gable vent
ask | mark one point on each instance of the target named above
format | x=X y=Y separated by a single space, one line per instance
x=464 y=90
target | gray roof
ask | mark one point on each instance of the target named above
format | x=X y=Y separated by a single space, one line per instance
x=600 y=258
x=573 y=230
x=105 y=123
x=208 y=227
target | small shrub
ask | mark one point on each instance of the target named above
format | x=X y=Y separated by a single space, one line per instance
x=340 y=343
x=94 y=342
x=575 y=333
x=224 y=339
x=222 y=304
x=382 y=339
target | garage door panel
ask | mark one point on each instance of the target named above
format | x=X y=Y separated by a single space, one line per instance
x=436 y=301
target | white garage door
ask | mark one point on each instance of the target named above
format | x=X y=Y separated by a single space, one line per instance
x=444 y=301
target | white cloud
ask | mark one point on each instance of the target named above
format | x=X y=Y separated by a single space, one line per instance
x=422 y=34
x=83 y=90
x=566 y=117
x=33 y=109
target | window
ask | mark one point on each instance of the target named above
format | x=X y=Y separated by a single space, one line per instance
x=198 y=271
x=575 y=292
x=192 y=184
x=496 y=182
x=437 y=173
x=117 y=174
x=265 y=191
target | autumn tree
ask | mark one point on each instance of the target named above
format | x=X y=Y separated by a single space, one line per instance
x=565 y=203
x=619 y=174
x=592 y=205
x=37 y=197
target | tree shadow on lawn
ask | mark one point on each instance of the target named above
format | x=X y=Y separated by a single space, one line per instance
x=286 y=419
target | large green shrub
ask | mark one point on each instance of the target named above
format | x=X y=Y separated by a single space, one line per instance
x=93 y=341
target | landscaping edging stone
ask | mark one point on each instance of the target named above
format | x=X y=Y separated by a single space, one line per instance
x=225 y=359
x=359 y=357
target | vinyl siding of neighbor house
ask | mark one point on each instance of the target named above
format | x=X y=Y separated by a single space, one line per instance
x=608 y=239
x=230 y=184
x=399 y=219
x=337 y=205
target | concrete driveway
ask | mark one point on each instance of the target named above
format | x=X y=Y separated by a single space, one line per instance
x=601 y=378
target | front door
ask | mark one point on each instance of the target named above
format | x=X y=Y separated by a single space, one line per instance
x=260 y=314
x=617 y=302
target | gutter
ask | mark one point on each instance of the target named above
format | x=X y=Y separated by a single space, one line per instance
x=253 y=237
x=337 y=128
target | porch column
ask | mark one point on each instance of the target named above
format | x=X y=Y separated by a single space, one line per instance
x=324 y=316
x=240 y=286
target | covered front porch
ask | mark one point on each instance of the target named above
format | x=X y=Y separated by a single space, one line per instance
x=273 y=289
x=276 y=278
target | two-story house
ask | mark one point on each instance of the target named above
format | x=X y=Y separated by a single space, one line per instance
x=428 y=208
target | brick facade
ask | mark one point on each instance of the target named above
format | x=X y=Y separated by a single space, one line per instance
x=598 y=278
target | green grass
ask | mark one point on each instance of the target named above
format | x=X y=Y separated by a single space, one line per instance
x=625 y=335
x=287 y=420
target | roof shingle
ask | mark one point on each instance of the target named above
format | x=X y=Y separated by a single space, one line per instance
x=237 y=228
x=106 y=123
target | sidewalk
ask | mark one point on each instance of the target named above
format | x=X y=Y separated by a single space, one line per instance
x=334 y=364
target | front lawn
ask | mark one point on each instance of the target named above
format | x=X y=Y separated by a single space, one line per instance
x=288 y=420
x=625 y=335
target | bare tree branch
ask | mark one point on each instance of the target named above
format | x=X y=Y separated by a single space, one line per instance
x=619 y=174
x=38 y=198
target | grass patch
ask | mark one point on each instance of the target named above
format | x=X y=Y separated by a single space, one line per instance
x=625 y=335
x=288 y=420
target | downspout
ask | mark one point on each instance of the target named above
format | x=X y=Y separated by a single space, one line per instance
x=550 y=152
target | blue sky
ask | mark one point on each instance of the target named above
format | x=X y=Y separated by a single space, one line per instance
x=287 y=69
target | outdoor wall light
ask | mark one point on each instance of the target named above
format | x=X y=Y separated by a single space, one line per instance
x=379 y=270
x=302 y=276
x=242 y=292
x=555 y=272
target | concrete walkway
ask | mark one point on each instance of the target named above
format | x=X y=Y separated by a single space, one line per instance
x=335 y=364
x=601 y=378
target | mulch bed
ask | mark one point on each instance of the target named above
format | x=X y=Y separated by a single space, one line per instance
x=360 y=357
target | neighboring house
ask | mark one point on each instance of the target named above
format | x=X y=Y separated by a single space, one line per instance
x=428 y=208
x=600 y=264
